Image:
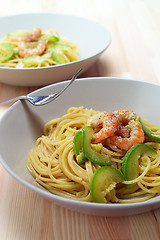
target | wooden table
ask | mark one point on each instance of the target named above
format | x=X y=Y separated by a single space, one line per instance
x=133 y=53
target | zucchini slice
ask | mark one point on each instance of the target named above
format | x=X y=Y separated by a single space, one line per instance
x=6 y=52
x=151 y=130
x=130 y=164
x=103 y=181
x=32 y=61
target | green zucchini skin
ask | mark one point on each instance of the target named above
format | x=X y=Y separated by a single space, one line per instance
x=131 y=160
x=103 y=181
x=91 y=154
x=152 y=135
x=6 y=52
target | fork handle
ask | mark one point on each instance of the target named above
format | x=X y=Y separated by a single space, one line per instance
x=14 y=99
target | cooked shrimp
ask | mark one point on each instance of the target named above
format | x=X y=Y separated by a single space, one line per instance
x=109 y=125
x=96 y=121
x=119 y=128
x=26 y=52
x=125 y=143
x=37 y=33
x=123 y=131
x=124 y=116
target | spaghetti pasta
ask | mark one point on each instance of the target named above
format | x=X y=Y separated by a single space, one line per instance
x=50 y=48
x=53 y=164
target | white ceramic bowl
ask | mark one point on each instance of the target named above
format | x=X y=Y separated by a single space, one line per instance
x=23 y=123
x=91 y=38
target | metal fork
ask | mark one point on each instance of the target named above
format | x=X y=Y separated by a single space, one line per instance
x=42 y=100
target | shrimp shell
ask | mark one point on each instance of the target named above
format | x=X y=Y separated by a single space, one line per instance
x=110 y=125
x=37 y=33
x=26 y=52
x=119 y=128
x=136 y=137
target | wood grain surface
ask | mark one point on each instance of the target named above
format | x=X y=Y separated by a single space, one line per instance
x=134 y=53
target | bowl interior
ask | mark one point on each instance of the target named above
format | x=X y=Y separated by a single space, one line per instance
x=23 y=124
